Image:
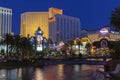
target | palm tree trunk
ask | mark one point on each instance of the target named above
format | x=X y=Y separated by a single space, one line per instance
x=7 y=53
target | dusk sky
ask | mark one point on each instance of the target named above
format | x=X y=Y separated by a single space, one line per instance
x=93 y=14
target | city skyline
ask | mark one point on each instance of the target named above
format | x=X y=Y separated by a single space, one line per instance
x=93 y=14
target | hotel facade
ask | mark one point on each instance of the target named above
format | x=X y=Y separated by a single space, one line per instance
x=5 y=21
x=64 y=28
x=30 y=21
x=104 y=37
x=5 y=24
x=53 y=23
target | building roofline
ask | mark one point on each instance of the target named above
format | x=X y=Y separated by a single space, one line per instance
x=32 y=12
x=68 y=16
x=5 y=8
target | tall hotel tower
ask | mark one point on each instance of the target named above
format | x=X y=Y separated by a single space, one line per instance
x=62 y=27
x=30 y=21
x=5 y=21
x=54 y=24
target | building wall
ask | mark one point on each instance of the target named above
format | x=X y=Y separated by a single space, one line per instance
x=114 y=37
x=30 y=21
x=64 y=28
x=54 y=24
x=110 y=36
x=93 y=37
x=5 y=21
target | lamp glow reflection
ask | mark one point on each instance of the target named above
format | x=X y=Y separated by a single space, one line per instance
x=60 y=71
x=38 y=74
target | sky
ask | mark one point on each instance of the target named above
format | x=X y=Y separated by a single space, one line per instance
x=93 y=14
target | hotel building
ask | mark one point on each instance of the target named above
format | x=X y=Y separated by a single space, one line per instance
x=30 y=21
x=54 y=24
x=64 y=28
x=5 y=21
x=102 y=38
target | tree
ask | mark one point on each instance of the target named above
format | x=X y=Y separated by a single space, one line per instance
x=79 y=43
x=116 y=53
x=8 y=41
x=71 y=43
x=26 y=47
x=17 y=43
x=115 y=18
x=88 y=47
x=115 y=21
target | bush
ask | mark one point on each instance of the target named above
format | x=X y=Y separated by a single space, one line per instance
x=116 y=53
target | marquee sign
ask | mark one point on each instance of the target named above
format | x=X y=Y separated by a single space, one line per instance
x=104 y=31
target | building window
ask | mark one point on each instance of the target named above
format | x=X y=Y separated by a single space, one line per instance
x=65 y=28
x=77 y=28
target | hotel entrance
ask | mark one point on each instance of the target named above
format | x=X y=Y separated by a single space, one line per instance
x=104 y=43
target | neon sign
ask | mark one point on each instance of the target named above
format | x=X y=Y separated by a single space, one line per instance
x=57 y=11
x=104 y=31
x=53 y=19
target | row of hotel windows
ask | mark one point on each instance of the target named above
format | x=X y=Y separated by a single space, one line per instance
x=71 y=27
x=5 y=11
x=5 y=24
x=68 y=26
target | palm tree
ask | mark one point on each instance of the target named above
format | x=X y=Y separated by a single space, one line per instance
x=8 y=41
x=115 y=18
x=88 y=47
x=78 y=42
x=26 y=47
x=71 y=43
x=17 y=43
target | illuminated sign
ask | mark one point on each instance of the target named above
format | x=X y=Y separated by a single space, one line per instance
x=39 y=48
x=56 y=11
x=104 y=31
x=39 y=38
x=39 y=43
x=53 y=19
x=52 y=13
